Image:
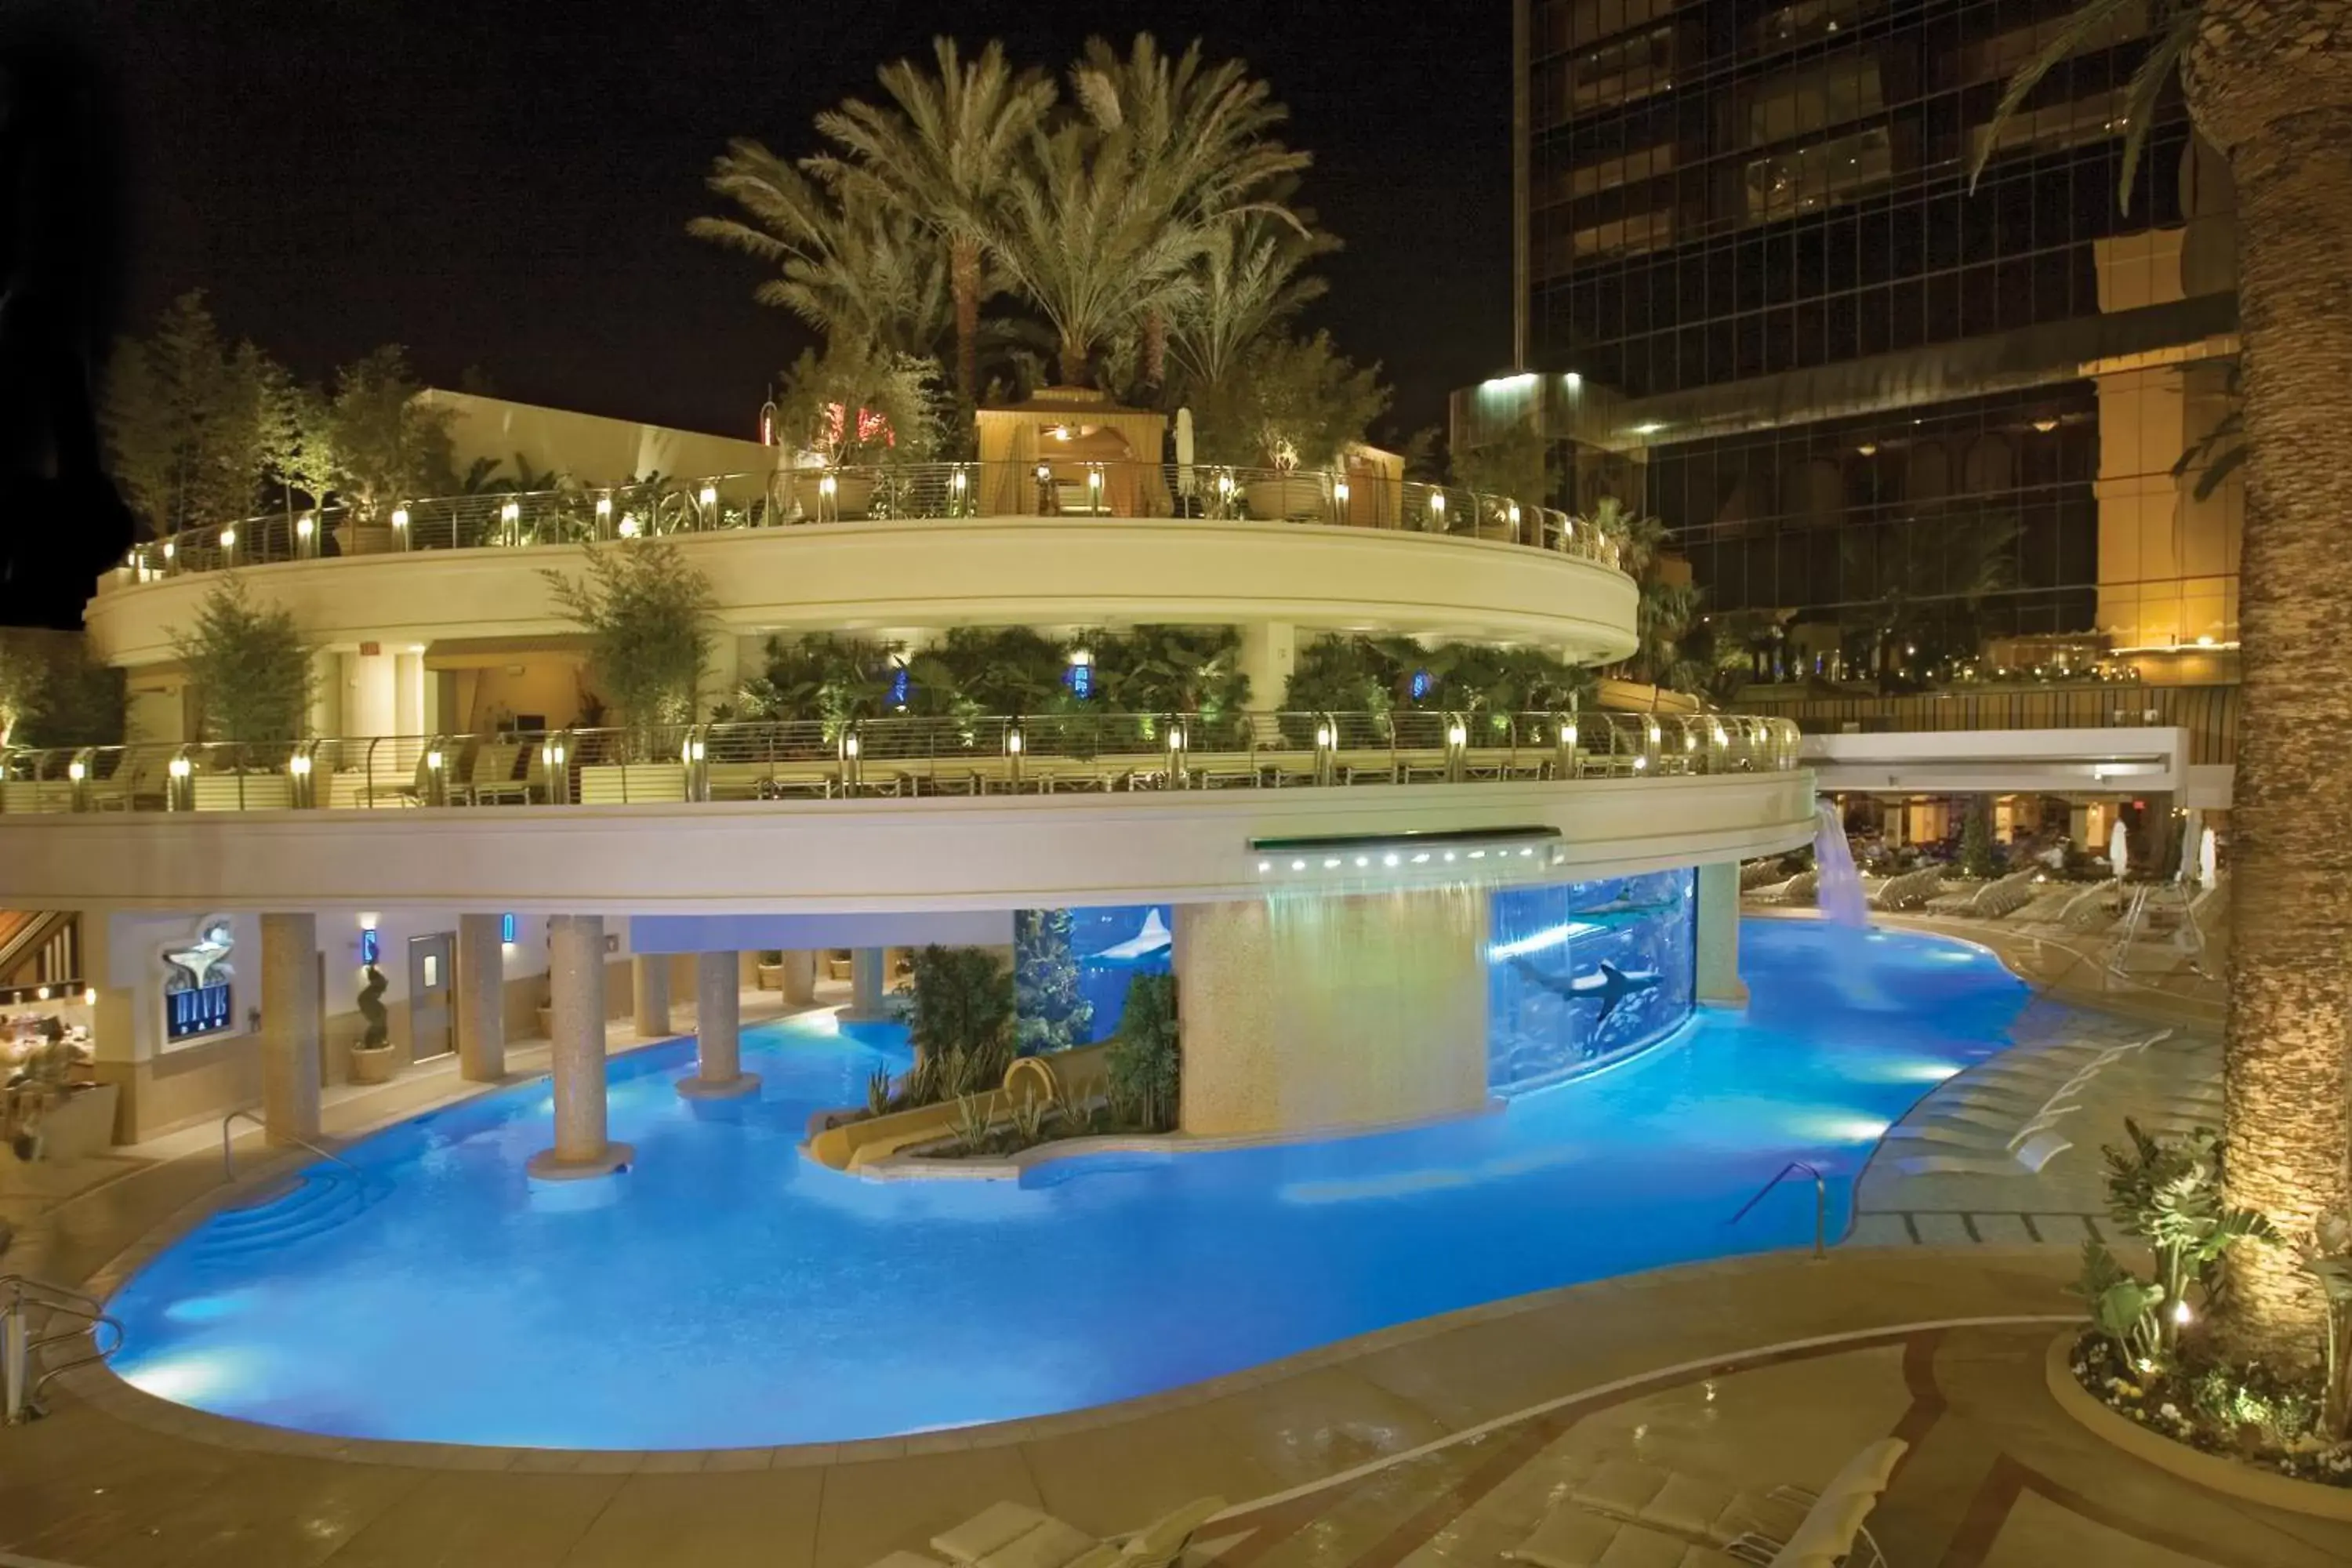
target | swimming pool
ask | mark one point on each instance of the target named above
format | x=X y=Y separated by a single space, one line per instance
x=727 y=1293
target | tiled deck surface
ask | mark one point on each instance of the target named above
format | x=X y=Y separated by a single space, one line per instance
x=1439 y=1440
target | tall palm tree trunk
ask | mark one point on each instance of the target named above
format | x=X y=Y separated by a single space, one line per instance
x=2271 y=82
x=963 y=282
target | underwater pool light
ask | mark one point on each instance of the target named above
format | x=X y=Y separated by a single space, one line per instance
x=1330 y=862
x=1363 y=860
x=1265 y=866
x=1298 y=864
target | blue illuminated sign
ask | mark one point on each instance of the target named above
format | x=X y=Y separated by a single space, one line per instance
x=369 y=946
x=1421 y=684
x=198 y=981
x=505 y=927
x=900 y=685
x=1082 y=681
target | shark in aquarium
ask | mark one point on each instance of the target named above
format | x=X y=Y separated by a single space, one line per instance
x=1154 y=938
x=1618 y=914
x=1609 y=986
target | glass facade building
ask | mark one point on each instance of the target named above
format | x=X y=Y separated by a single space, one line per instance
x=1759 y=289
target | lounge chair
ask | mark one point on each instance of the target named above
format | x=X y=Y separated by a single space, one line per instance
x=2037 y=1150
x=1014 y=1535
x=1626 y=1515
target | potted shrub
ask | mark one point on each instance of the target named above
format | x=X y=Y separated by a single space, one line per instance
x=371 y=1053
x=771 y=970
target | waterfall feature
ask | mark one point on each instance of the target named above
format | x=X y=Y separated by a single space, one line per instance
x=1840 y=895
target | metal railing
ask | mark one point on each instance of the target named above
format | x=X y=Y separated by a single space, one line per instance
x=903 y=756
x=1821 y=1201
x=21 y=1377
x=2209 y=713
x=579 y=515
x=229 y=1157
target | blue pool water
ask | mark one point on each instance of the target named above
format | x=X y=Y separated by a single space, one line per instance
x=725 y=1291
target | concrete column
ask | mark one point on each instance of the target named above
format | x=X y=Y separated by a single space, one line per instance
x=718 y=1034
x=866 y=978
x=289 y=1027
x=481 y=1000
x=1269 y=651
x=1343 y=1012
x=650 y=990
x=1719 y=984
x=576 y=986
x=721 y=670
x=369 y=707
x=408 y=693
x=800 y=977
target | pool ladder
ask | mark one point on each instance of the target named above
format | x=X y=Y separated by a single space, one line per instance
x=1821 y=1201
x=229 y=1157
x=21 y=1377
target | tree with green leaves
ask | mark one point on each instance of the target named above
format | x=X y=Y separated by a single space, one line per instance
x=388 y=447
x=857 y=404
x=1291 y=403
x=946 y=152
x=2269 y=85
x=1051 y=1012
x=1979 y=859
x=1251 y=278
x=24 y=686
x=183 y=417
x=960 y=1021
x=835 y=679
x=649 y=616
x=53 y=693
x=1145 y=1059
x=1171 y=669
x=247 y=667
x=855 y=264
x=1517 y=464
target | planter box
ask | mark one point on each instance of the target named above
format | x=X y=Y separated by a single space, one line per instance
x=619 y=784
x=365 y=538
x=270 y=791
x=81 y=1125
x=371 y=1066
x=771 y=976
x=1286 y=500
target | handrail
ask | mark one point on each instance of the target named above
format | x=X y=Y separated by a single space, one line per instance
x=20 y=1390
x=894 y=754
x=1050 y=485
x=1821 y=1201
x=228 y=1158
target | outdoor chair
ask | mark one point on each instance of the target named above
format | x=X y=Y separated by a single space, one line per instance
x=1014 y=1535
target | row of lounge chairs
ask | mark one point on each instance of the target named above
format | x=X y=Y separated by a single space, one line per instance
x=1628 y=1515
x=2007 y=1117
x=1014 y=1535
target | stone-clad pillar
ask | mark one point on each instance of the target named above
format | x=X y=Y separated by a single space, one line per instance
x=1719 y=984
x=289 y=1027
x=718 y=1032
x=799 y=977
x=576 y=986
x=481 y=1000
x=649 y=992
x=865 y=980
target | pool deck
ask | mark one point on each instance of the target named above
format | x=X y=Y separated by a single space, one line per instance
x=1439 y=1440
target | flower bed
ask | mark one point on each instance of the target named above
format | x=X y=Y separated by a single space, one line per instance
x=2246 y=1414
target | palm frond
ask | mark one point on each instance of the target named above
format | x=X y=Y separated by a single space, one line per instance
x=2091 y=16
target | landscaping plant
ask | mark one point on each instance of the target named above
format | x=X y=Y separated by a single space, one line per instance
x=1144 y=1059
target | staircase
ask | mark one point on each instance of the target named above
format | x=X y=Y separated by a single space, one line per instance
x=316 y=1201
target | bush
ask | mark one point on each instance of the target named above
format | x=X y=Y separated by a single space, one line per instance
x=1144 y=1059
x=248 y=667
x=648 y=615
x=959 y=1022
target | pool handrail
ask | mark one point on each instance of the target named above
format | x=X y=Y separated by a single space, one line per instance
x=228 y=1158
x=1821 y=1201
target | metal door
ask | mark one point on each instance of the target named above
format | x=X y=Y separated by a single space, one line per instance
x=431 y=962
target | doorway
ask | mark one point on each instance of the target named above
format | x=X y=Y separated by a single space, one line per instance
x=431 y=960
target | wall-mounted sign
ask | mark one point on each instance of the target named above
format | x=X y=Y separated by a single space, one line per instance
x=199 y=981
x=505 y=927
x=371 y=945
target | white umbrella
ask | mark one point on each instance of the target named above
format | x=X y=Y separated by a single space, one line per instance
x=2208 y=860
x=2119 y=849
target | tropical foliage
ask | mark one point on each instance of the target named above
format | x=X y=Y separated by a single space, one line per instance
x=1397 y=677
x=1145 y=1063
x=1142 y=228
x=247 y=664
x=199 y=431
x=648 y=615
x=1667 y=611
x=960 y=1021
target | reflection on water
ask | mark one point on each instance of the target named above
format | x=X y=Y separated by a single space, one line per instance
x=1586 y=973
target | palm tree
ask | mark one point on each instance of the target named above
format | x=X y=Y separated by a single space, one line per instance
x=1247 y=281
x=1093 y=237
x=947 y=155
x=2269 y=83
x=852 y=265
x=1202 y=133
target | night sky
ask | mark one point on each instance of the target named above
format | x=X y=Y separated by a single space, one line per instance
x=506 y=185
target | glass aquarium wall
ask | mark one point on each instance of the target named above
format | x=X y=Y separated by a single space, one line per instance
x=1585 y=973
x=1071 y=969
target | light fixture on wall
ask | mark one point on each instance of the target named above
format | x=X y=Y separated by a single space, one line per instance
x=2045 y=425
x=506 y=930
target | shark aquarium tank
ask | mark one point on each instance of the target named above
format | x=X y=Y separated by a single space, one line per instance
x=1581 y=974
